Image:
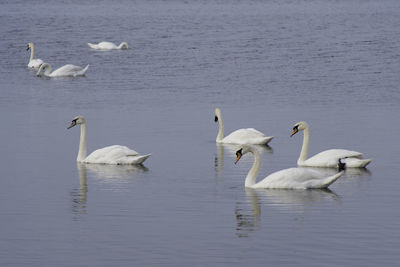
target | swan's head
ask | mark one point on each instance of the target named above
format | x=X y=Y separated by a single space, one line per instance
x=77 y=120
x=243 y=150
x=29 y=46
x=124 y=45
x=300 y=126
x=217 y=113
x=41 y=68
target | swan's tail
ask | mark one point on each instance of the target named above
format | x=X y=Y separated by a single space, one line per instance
x=83 y=71
x=324 y=183
x=141 y=159
x=93 y=46
x=267 y=139
x=357 y=163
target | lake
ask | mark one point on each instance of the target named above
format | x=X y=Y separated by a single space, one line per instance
x=266 y=64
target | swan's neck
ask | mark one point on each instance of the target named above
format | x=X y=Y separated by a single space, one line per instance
x=220 y=135
x=304 y=148
x=47 y=72
x=82 y=144
x=253 y=173
x=123 y=44
x=32 y=52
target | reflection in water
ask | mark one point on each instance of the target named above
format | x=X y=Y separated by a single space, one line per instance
x=112 y=173
x=231 y=149
x=108 y=173
x=79 y=196
x=293 y=201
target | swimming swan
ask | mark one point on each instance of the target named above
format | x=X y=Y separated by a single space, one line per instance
x=292 y=178
x=108 y=155
x=68 y=70
x=34 y=63
x=108 y=46
x=241 y=136
x=328 y=158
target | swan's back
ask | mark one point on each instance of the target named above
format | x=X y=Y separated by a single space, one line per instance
x=247 y=136
x=330 y=158
x=297 y=178
x=35 y=63
x=115 y=155
x=70 y=70
x=103 y=46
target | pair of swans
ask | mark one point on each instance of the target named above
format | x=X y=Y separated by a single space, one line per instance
x=117 y=155
x=108 y=46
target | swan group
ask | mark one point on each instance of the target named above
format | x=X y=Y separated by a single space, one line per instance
x=108 y=46
x=292 y=178
x=328 y=158
x=33 y=63
x=241 y=136
x=67 y=70
x=117 y=155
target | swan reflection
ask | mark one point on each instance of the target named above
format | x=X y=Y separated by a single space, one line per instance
x=79 y=196
x=287 y=201
x=112 y=173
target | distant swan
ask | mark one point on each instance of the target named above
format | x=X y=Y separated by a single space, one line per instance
x=108 y=46
x=108 y=155
x=328 y=158
x=34 y=63
x=241 y=136
x=68 y=70
x=292 y=178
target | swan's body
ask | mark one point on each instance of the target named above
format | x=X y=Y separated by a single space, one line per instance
x=68 y=70
x=108 y=46
x=33 y=63
x=249 y=136
x=328 y=158
x=292 y=178
x=108 y=155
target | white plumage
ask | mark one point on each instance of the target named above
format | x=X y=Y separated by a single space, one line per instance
x=67 y=70
x=108 y=46
x=33 y=63
x=241 y=136
x=118 y=155
x=292 y=178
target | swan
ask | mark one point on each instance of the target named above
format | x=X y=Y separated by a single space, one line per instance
x=328 y=158
x=108 y=46
x=242 y=136
x=108 y=155
x=34 y=63
x=292 y=178
x=68 y=70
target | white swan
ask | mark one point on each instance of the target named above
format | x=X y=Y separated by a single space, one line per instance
x=242 y=136
x=292 y=178
x=328 y=158
x=108 y=46
x=68 y=70
x=108 y=155
x=34 y=63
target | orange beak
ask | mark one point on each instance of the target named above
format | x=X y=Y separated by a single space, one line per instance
x=238 y=156
x=294 y=132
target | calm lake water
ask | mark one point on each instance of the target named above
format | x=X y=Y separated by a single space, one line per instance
x=266 y=64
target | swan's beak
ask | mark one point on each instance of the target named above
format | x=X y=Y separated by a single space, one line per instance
x=73 y=123
x=238 y=156
x=295 y=130
x=215 y=118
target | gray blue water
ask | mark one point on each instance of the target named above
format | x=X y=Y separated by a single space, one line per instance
x=266 y=64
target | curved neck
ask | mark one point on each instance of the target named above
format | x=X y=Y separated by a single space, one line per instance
x=304 y=148
x=253 y=173
x=82 y=144
x=46 y=72
x=123 y=44
x=32 y=47
x=220 y=135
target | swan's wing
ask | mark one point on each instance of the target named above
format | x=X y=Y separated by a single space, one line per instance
x=115 y=155
x=330 y=158
x=106 y=45
x=297 y=178
x=247 y=136
x=35 y=63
